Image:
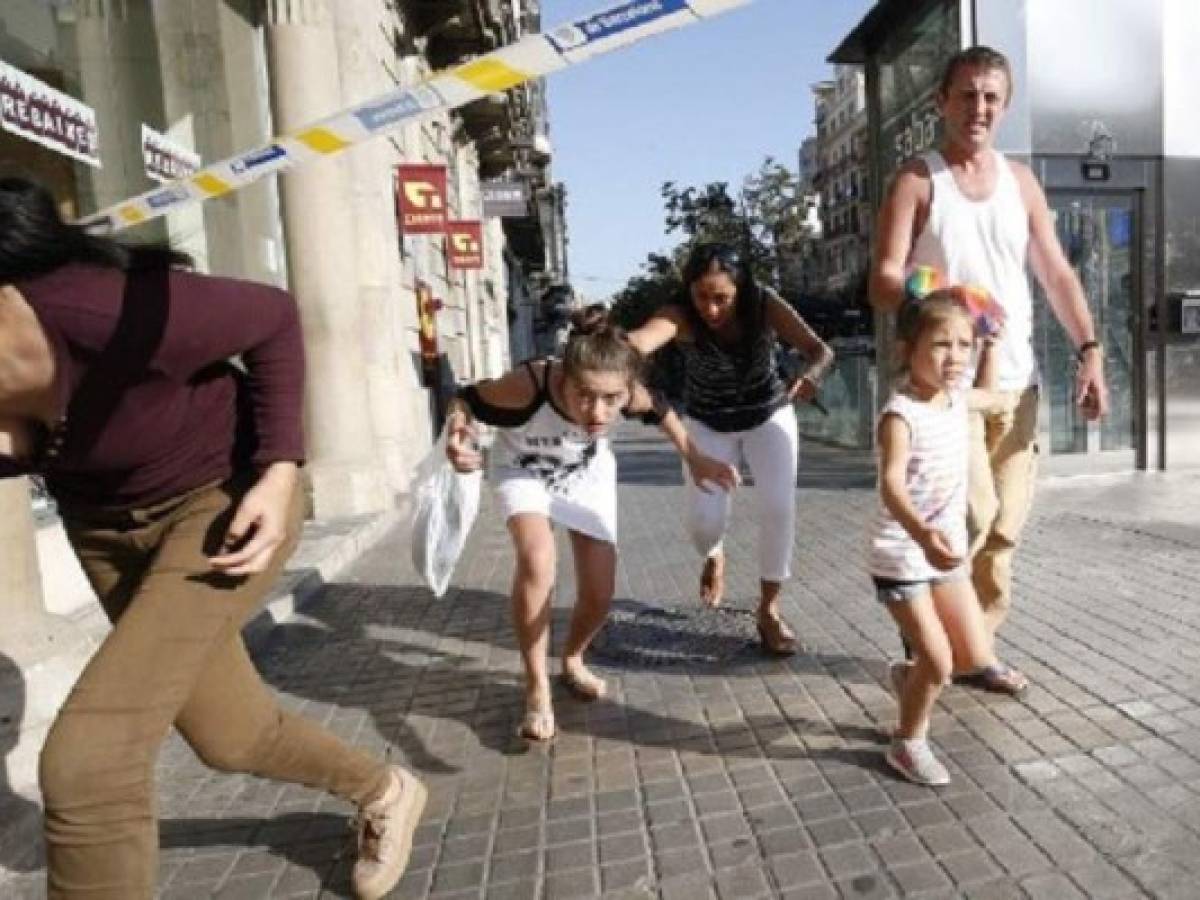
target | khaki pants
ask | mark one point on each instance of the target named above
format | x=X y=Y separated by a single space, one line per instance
x=1002 y=469
x=174 y=657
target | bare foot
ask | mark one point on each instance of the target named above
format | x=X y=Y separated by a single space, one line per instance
x=581 y=682
x=538 y=721
x=712 y=581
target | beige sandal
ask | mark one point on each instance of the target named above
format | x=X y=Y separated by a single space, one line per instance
x=777 y=637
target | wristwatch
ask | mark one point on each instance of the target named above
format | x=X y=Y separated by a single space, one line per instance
x=1086 y=346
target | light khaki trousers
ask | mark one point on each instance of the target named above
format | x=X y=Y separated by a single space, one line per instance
x=175 y=656
x=1002 y=469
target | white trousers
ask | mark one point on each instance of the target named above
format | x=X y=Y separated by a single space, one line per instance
x=772 y=451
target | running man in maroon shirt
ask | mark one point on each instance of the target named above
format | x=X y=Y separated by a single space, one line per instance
x=163 y=409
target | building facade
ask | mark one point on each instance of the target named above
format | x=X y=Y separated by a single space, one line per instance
x=800 y=265
x=1105 y=120
x=844 y=182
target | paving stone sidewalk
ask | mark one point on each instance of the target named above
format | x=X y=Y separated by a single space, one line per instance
x=748 y=778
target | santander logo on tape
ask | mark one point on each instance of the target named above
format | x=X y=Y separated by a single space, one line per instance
x=257 y=158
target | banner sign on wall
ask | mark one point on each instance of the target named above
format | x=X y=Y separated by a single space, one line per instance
x=507 y=199
x=38 y=112
x=421 y=198
x=464 y=244
x=166 y=160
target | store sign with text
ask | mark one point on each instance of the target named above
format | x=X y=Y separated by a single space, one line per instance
x=38 y=112
x=506 y=199
x=421 y=198
x=164 y=159
x=916 y=130
x=464 y=244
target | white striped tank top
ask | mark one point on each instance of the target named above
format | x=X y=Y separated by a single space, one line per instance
x=936 y=479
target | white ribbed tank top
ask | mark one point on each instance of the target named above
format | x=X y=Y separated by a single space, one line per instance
x=984 y=242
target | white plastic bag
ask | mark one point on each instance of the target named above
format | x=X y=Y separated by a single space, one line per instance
x=444 y=506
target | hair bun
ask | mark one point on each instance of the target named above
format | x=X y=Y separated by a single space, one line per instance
x=589 y=320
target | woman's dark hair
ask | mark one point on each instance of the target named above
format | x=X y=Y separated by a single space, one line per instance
x=750 y=306
x=596 y=344
x=34 y=238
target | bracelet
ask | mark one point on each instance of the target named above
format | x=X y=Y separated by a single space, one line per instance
x=1085 y=347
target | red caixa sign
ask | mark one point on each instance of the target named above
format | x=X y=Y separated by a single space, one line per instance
x=464 y=244
x=421 y=198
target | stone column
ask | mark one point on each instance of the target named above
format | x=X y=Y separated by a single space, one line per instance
x=20 y=580
x=119 y=78
x=363 y=49
x=41 y=655
x=319 y=229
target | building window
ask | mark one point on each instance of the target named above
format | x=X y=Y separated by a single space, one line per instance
x=910 y=64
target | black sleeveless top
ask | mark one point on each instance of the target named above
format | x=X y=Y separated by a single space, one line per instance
x=731 y=388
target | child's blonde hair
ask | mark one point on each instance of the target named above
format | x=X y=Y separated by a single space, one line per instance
x=918 y=316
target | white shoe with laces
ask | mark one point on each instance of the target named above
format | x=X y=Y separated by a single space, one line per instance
x=914 y=760
x=385 y=835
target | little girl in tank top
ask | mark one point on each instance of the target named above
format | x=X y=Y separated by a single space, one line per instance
x=552 y=463
x=918 y=549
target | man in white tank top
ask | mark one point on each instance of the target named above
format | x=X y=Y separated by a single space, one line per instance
x=981 y=219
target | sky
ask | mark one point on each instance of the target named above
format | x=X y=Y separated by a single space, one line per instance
x=707 y=102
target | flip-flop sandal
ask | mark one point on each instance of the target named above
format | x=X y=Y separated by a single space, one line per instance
x=777 y=639
x=537 y=725
x=587 y=688
x=999 y=678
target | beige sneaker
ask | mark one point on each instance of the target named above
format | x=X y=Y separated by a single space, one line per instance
x=385 y=835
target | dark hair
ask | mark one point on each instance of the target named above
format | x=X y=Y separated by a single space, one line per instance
x=977 y=57
x=916 y=316
x=596 y=344
x=749 y=305
x=34 y=238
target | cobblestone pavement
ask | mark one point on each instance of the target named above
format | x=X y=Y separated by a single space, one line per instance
x=751 y=778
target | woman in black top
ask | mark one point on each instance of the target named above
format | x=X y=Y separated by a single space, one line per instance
x=726 y=324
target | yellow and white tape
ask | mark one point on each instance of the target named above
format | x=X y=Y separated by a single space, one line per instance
x=531 y=57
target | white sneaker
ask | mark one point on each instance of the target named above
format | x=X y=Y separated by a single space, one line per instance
x=914 y=760
x=385 y=835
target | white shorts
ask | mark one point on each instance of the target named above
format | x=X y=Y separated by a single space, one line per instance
x=588 y=506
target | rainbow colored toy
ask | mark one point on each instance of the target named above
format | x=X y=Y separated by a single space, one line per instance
x=923 y=280
x=983 y=307
x=978 y=301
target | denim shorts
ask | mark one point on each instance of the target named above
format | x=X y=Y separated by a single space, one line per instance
x=892 y=590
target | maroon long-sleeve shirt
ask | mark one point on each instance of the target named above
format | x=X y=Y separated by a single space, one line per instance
x=149 y=404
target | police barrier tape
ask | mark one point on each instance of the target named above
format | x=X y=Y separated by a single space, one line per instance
x=531 y=57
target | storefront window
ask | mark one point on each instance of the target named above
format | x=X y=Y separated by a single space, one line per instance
x=35 y=77
x=909 y=65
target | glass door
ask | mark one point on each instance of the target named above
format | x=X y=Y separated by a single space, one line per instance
x=1100 y=234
